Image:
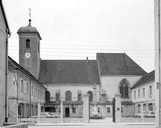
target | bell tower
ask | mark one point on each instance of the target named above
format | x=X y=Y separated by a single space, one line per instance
x=29 y=48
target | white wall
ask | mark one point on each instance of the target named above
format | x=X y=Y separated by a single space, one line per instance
x=147 y=98
x=84 y=88
x=111 y=83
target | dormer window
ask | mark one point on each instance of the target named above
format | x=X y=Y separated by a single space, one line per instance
x=28 y=43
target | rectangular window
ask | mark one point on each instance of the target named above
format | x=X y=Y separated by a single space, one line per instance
x=144 y=107
x=138 y=92
x=150 y=107
x=22 y=86
x=143 y=92
x=73 y=109
x=27 y=43
x=150 y=91
x=139 y=108
x=98 y=110
x=108 y=110
x=135 y=94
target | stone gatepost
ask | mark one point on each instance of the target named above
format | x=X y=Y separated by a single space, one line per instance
x=39 y=110
x=86 y=108
x=118 y=108
x=61 y=110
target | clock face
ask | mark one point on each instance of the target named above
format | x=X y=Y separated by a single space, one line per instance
x=27 y=55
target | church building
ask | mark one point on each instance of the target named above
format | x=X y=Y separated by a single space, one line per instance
x=69 y=80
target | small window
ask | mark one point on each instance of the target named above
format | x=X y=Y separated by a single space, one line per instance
x=79 y=95
x=150 y=91
x=98 y=110
x=108 y=110
x=22 y=86
x=135 y=94
x=73 y=109
x=54 y=109
x=150 y=107
x=138 y=92
x=143 y=92
x=27 y=43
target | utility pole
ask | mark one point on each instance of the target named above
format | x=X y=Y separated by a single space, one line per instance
x=157 y=63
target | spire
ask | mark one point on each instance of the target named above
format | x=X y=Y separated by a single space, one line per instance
x=29 y=16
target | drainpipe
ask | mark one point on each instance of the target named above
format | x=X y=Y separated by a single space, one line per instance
x=6 y=77
x=30 y=98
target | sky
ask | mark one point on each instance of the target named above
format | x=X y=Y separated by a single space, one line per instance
x=75 y=29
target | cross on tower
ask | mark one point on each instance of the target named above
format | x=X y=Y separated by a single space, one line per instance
x=29 y=16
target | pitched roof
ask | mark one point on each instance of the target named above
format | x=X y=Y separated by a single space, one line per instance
x=149 y=77
x=118 y=64
x=69 y=71
x=16 y=66
x=5 y=18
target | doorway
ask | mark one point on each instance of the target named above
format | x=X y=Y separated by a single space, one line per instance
x=67 y=112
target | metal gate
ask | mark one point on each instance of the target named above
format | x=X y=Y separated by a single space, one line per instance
x=113 y=110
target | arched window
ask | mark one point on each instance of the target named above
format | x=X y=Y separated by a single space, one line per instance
x=79 y=96
x=28 y=43
x=68 y=96
x=57 y=95
x=90 y=93
x=124 y=88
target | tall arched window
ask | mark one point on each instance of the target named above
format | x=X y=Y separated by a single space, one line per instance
x=68 y=96
x=79 y=96
x=57 y=95
x=124 y=88
x=90 y=93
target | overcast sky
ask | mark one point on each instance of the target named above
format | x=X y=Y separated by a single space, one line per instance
x=75 y=29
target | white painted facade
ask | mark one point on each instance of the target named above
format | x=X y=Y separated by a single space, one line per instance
x=74 y=88
x=111 y=83
x=144 y=99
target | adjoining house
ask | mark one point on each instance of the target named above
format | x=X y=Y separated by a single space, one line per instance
x=26 y=95
x=4 y=34
x=143 y=95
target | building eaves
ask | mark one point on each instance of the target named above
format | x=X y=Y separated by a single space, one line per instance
x=5 y=17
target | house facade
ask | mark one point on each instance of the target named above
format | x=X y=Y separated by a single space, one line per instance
x=26 y=95
x=4 y=34
x=143 y=95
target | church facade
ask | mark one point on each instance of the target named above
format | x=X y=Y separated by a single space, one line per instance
x=67 y=81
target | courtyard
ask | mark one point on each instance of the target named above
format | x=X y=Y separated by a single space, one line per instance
x=103 y=123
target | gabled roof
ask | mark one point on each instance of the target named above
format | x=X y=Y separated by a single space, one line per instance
x=118 y=64
x=5 y=18
x=149 y=77
x=16 y=66
x=69 y=71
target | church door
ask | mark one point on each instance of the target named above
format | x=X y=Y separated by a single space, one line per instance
x=67 y=112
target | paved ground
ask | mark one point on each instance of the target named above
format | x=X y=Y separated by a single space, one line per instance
x=105 y=123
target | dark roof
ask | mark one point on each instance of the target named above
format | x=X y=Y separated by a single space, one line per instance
x=149 y=77
x=5 y=18
x=28 y=29
x=118 y=64
x=15 y=65
x=69 y=71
